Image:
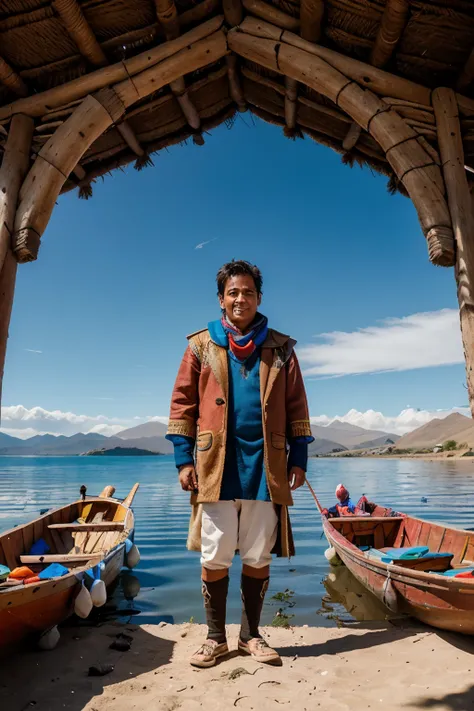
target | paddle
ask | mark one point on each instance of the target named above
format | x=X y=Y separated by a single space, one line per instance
x=315 y=497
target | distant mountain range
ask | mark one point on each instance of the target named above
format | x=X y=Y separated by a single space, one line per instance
x=438 y=431
x=338 y=436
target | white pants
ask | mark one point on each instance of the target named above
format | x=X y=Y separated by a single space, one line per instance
x=249 y=526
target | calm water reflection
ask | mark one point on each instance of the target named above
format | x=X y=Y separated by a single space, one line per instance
x=166 y=586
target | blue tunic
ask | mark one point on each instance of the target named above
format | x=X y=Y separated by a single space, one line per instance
x=244 y=472
x=244 y=469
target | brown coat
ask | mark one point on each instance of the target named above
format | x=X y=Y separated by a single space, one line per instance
x=199 y=410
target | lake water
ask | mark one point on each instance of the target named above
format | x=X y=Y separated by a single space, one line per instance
x=166 y=584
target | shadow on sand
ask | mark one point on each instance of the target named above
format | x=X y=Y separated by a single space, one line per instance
x=58 y=680
x=457 y=701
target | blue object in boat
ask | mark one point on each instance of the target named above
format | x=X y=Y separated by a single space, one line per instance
x=95 y=572
x=4 y=572
x=55 y=570
x=426 y=556
x=39 y=547
x=406 y=553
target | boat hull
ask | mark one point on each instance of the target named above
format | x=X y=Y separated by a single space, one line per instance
x=28 y=610
x=440 y=602
x=42 y=607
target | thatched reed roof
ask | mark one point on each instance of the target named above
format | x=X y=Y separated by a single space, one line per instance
x=44 y=44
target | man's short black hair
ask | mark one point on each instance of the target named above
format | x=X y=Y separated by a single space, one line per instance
x=235 y=268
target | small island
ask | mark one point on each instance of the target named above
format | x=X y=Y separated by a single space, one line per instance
x=120 y=452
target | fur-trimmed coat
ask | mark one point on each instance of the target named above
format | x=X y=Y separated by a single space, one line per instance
x=199 y=411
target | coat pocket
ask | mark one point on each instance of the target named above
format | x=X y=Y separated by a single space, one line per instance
x=204 y=441
x=278 y=440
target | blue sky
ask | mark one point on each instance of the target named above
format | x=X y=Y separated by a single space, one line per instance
x=118 y=282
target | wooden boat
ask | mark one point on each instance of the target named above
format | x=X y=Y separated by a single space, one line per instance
x=409 y=586
x=79 y=535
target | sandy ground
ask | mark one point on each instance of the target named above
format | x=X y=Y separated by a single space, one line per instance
x=362 y=666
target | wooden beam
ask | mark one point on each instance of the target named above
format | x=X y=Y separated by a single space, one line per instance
x=12 y=80
x=235 y=86
x=394 y=19
x=16 y=160
x=352 y=136
x=233 y=12
x=412 y=164
x=467 y=75
x=60 y=155
x=462 y=215
x=128 y=135
x=272 y=14
x=168 y=17
x=190 y=113
x=311 y=19
x=60 y=558
x=40 y=104
x=291 y=98
x=78 y=29
x=85 y=527
x=367 y=76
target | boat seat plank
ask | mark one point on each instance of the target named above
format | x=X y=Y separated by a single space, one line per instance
x=58 y=558
x=366 y=519
x=83 y=527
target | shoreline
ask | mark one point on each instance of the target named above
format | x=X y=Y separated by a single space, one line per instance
x=429 y=457
x=389 y=665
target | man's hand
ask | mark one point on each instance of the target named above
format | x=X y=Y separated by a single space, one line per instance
x=296 y=477
x=188 y=478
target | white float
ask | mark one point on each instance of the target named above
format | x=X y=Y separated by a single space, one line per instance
x=49 y=639
x=132 y=554
x=83 y=603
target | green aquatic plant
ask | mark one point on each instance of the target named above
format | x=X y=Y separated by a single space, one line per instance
x=281 y=619
x=285 y=597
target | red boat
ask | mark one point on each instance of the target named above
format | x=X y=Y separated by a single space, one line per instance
x=409 y=564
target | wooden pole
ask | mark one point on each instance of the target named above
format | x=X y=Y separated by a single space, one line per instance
x=311 y=19
x=11 y=79
x=291 y=98
x=78 y=29
x=394 y=19
x=233 y=12
x=14 y=167
x=272 y=14
x=40 y=104
x=462 y=215
x=235 y=86
x=168 y=17
x=352 y=136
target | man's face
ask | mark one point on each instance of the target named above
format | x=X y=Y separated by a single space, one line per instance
x=240 y=300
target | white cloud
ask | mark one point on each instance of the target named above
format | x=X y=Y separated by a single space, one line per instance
x=37 y=420
x=157 y=418
x=19 y=421
x=406 y=421
x=421 y=340
x=203 y=244
x=32 y=350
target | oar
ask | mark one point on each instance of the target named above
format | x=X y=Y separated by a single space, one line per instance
x=315 y=497
x=131 y=495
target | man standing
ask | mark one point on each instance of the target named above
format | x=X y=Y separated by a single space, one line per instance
x=238 y=404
